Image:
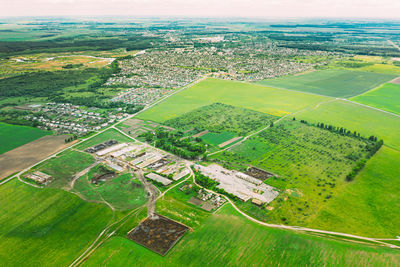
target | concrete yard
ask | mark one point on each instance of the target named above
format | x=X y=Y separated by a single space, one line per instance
x=240 y=184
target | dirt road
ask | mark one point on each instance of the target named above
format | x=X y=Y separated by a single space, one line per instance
x=152 y=191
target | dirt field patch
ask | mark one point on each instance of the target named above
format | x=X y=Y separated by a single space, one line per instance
x=158 y=234
x=229 y=141
x=200 y=134
x=396 y=81
x=24 y=156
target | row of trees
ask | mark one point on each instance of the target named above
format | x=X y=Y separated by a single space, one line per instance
x=208 y=183
x=188 y=148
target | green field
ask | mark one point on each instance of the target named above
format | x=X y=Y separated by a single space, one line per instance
x=312 y=164
x=386 y=97
x=336 y=83
x=46 y=227
x=219 y=117
x=370 y=205
x=64 y=166
x=357 y=118
x=121 y=192
x=13 y=136
x=228 y=239
x=251 y=96
x=217 y=138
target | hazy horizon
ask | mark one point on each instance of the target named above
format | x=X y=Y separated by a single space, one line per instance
x=368 y=9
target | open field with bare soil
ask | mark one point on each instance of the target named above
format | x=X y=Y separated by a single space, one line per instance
x=31 y=153
x=158 y=234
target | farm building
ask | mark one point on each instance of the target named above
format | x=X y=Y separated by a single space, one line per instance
x=39 y=177
x=158 y=178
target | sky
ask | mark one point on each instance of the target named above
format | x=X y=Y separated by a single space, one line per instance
x=205 y=8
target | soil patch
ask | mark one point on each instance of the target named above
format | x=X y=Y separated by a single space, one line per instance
x=24 y=156
x=158 y=233
x=396 y=81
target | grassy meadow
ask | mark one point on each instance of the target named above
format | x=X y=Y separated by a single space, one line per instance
x=335 y=83
x=228 y=239
x=369 y=205
x=64 y=166
x=354 y=117
x=311 y=163
x=251 y=96
x=46 y=227
x=385 y=97
x=13 y=136
x=122 y=192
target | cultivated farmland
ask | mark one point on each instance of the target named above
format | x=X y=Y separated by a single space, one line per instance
x=31 y=153
x=369 y=206
x=386 y=97
x=251 y=96
x=46 y=227
x=228 y=239
x=13 y=136
x=336 y=83
x=357 y=118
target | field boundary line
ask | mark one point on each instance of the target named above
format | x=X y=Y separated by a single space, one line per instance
x=366 y=106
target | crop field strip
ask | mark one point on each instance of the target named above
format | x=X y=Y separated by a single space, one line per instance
x=385 y=97
x=335 y=83
x=13 y=136
x=250 y=96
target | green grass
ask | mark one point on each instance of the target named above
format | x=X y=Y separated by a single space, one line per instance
x=64 y=166
x=310 y=161
x=13 y=136
x=354 y=117
x=175 y=206
x=368 y=206
x=251 y=96
x=386 y=97
x=46 y=227
x=228 y=239
x=217 y=138
x=120 y=191
x=336 y=83
x=104 y=136
x=219 y=117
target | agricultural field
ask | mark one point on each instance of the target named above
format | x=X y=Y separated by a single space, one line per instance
x=357 y=118
x=368 y=206
x=250 y=96
x=385 y=97
x=219 y=118
x=311 y=163
x=217 y=138
x=46 y=227
x=174 y=205
x=122 y=192
x=13 y=136
x=64 y=166
x=26 y=155
x=227 y=238
x=335 y=83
